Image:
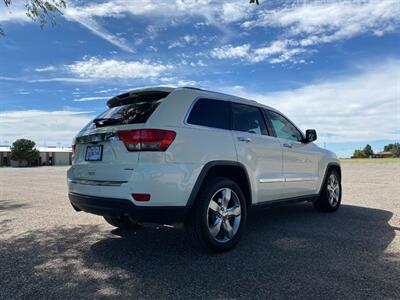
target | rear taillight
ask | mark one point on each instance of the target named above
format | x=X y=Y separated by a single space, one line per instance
x=147 y=139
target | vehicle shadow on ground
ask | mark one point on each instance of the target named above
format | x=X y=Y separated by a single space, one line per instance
x=285 y=252
x=11 y=205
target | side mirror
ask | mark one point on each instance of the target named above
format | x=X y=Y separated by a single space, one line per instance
x=311 y=135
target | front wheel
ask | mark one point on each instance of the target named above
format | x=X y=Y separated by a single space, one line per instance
x=218 y=216
x=331 y=193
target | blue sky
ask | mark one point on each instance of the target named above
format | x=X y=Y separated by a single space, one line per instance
x=329 y=65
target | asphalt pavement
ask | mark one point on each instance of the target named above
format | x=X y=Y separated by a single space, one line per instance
x=47 y=250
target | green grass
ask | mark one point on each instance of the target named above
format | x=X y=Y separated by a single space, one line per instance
x=371 y=160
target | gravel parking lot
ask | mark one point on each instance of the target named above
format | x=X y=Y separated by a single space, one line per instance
x=47 y=250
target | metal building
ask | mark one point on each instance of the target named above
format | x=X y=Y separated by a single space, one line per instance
x=49 y=156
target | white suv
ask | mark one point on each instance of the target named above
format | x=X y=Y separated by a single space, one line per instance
x=169 y=155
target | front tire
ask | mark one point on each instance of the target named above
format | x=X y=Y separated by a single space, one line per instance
x=331 y=194
x=218 y=217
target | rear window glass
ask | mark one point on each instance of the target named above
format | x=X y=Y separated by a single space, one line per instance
x=132 y=113
x=210 y=113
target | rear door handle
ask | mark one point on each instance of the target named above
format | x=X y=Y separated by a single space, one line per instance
x=287 y=145
x=244 y=139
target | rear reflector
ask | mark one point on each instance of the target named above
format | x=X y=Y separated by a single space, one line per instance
x=141 y=197
x=147 y=139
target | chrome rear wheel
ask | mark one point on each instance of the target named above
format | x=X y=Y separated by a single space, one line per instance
x=223 y=215
x=218 y=218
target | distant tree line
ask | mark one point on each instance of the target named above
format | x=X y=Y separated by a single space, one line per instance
x=368 y=152
x=394 y=148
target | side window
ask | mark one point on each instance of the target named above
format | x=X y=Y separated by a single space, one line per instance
x=248 y=119
x=283 y=128
x=210 y=113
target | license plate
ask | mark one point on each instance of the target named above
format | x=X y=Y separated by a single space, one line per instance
x=94 y=153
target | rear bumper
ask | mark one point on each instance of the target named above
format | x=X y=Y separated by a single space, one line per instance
x=117 y=207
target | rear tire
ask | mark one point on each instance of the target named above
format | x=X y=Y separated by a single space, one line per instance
x=331 y=194
x=218 y=217
x=121 y=222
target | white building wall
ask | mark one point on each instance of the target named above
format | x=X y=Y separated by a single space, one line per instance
x=61 y=158
x=42 y=158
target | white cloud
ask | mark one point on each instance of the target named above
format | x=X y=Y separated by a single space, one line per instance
x=84 y=99
x=312 y=23
x=332 y=20
x=213 y=11
x=318 y=22
x=278 y=51
x=59 y=79
x=106 y=91
x=236 y=11
x=185 y=40
x=176 y=44
x=229 y=52
x=51 y=79
x=86 y=20
x=96 y=68
x=41 y=126
x=16 y=13
x=187 y=83
x=307 y=24
x=199 y=63
x=361 y=107
x=190 y=39
x=46 y=69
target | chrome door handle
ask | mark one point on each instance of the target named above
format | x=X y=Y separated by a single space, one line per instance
x=287 y=145
x=244 y=139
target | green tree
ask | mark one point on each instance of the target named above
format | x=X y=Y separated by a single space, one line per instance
x=358 y=154
x=388 y=147
x=368 y=150
x=24 y=150
x=40 y=11
x=394 y=148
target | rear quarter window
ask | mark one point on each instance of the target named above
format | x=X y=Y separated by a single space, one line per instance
x=210 y=113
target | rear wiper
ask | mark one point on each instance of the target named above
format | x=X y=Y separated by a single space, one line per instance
x=106 y=121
